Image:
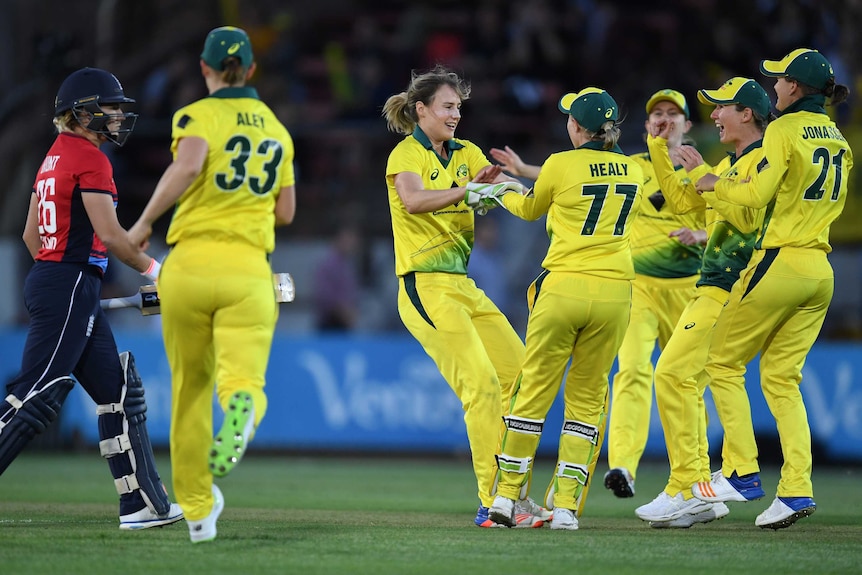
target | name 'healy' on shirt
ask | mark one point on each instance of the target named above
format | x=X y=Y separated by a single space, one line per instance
x=821 y=132
x=246 y=119
x=609 y=169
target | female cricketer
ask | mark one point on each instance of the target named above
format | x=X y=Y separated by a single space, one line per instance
x=741 y=114
x=431 y=177
x=779 y=305
x=232 y=181
x=579 y=305
x=71 y=226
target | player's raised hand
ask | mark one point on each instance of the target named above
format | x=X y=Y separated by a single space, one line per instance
x=488 y=174
x=509 y=160
x=661 y=129
x=689 y=237
x=686 y=156
x=706 y=183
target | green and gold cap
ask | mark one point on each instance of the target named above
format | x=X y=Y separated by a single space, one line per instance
x=591 y=107
x=804 y=65
x=668 y=95
x=743 y=91
x=225 y=42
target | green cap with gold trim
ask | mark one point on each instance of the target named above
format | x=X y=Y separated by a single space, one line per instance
x=591 y=107
x=225 y=42
x=672 y=96
x=807 y=66
x=743 y=91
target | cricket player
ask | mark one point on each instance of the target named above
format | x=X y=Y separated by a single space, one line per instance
x=232 y=182
x=667 y=249
x=579 y=305
x=432 y=179
x=778 y=306
x=742 y=111
x=70 y=228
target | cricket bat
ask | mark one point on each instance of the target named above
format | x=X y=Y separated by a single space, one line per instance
x=148 y=302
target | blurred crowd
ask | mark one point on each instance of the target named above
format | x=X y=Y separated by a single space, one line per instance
x=326 y=67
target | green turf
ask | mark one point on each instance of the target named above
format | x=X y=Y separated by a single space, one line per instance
x=307 y=515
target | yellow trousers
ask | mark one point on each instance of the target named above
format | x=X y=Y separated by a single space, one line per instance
x=657 y=304
x=477 y=352
x=218 y=320
x=575 y=318
x=680 y=381
x=776 y=309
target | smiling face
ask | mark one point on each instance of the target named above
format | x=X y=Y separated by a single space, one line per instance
x=729 y=122
x=663 y=112
x=439 y=118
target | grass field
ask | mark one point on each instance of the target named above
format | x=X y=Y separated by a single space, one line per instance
x=292 y=514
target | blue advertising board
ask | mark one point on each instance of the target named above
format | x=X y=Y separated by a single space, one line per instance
x=383 y=394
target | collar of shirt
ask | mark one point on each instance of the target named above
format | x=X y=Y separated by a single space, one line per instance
x=236 y=92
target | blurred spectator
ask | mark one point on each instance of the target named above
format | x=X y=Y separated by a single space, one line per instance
x=487 y=264
x=336 y=283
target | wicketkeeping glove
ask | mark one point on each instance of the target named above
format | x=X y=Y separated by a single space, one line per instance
x=483 y=197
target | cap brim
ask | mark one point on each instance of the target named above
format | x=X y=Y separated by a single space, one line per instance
x=773 y=68
x=711 y=97
x=565 y=104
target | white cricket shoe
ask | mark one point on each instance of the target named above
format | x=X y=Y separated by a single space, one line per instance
x=527 y=505
x=205 y=529
x=564 y=519
x=715 y=511
x=502 y=511
x=667 y=508
x=146 y=518
x=785 y=511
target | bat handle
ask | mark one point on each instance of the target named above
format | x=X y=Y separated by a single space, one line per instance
x=121 y=302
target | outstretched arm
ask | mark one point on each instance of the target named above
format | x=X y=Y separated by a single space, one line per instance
x=512 y=163
x=189 y=161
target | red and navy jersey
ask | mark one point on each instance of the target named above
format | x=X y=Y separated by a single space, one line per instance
x=71 y=167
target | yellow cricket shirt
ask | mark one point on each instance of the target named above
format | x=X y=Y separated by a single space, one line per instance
x=731 y=229
x=250 y=159
x=654 y=252
x=439 y=241
x=591 y=197
x=803 y=184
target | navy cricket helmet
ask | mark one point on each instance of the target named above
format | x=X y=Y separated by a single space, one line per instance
x=88 y=89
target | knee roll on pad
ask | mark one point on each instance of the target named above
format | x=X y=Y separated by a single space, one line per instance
x=23 y=419
x=133 y=442
x=524 y=425
x=582 y=430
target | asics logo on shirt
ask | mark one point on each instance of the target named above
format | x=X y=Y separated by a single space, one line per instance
x=689 y=325
x=435 y=173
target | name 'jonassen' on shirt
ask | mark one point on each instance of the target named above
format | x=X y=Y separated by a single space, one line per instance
x=812 y=132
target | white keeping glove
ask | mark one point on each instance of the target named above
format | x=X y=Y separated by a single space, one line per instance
x=483 y=197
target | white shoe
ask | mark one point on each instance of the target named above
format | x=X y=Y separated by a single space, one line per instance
x=564 y=519
x=146 y=518
x=529 y=507
x=667 y=508
x=715 y=511
x=205 y=529
x=620 y=481
x=733 y=488
x=502 y=511
x=785 y=511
